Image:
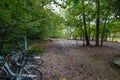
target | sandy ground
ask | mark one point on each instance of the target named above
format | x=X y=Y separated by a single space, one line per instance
x=69 y=60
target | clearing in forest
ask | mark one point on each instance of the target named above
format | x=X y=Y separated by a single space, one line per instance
x=66 y=60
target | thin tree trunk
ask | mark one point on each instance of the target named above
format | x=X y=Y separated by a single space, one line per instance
x=97 y=22
x=93 y=38
x=103 y=33
x=85 y=30
x=83 y=39
x=85 y=26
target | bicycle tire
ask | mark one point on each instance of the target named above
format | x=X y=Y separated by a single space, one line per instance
x=34 y=71
x=36 y=62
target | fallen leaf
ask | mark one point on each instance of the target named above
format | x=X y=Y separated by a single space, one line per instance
x=63 y=79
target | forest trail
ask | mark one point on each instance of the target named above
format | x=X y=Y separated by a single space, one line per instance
x=66 y=60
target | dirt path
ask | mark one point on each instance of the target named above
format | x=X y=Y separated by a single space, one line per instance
x=64 y=60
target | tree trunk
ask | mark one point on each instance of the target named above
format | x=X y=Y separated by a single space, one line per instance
x=93 y=38
x=97 y=22
x=85 y=26
x=83 y=39
x=103 y=33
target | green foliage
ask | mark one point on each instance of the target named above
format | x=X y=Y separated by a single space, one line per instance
x=115 y=6
x=37 y=20
x=109 y=10
x=26 y=17
x=36 y=50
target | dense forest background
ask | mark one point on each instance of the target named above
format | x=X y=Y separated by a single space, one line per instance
x=96 y=20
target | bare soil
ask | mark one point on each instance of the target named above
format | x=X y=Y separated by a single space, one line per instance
x=69 y=60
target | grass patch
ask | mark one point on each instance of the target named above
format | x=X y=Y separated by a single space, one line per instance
x=36 y=50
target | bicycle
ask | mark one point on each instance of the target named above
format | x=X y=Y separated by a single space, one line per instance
x=28 y=58
x=32 y=60
x=25 y=73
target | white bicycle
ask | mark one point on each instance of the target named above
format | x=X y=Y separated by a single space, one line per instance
x=26 y=72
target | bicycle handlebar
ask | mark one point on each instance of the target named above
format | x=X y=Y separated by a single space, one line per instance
x=15 y=58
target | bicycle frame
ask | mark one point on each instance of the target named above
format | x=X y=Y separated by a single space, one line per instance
x=11 y=75
x=23 y=69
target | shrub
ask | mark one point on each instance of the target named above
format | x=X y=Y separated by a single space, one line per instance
x=36 y=50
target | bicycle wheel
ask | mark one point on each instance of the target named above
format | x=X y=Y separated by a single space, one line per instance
x=36 y=62
x=33 y=71
x=3 y=75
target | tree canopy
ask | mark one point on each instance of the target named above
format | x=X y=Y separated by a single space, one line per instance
x=75 y=19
